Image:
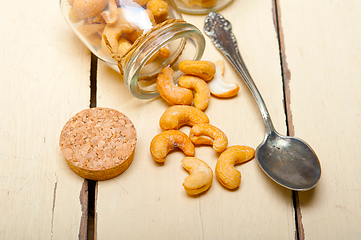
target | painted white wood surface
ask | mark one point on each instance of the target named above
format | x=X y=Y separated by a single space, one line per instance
x=148 y=200
x=44 y=81
x=323 y=51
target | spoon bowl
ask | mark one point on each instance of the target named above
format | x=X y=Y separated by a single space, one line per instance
x=289 y=161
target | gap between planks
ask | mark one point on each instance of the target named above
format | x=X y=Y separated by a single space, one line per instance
x=91 y=217
x=286 y=77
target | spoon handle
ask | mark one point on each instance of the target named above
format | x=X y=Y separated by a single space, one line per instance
x=220 y=31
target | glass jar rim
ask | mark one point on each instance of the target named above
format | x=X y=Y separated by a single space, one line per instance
x=163 y=35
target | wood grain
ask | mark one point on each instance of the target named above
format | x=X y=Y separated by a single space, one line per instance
x=323 y=52
x=44 y=81
x=148 y=200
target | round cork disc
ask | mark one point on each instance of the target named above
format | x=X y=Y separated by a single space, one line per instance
x=98 y=143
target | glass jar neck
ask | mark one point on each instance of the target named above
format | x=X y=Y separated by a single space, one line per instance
x=140 y=75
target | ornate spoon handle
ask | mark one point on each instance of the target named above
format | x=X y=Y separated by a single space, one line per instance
x=220 y=31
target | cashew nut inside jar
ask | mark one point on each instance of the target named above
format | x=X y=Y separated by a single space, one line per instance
x=201 y=6
x=137 y=38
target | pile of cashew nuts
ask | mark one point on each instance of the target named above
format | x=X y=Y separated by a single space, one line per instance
x=112 y=26
x=189 y=99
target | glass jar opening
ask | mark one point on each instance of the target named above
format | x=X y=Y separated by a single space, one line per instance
x=184 y=41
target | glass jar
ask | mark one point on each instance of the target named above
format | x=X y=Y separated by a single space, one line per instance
x=137 y=38
x=201 y=6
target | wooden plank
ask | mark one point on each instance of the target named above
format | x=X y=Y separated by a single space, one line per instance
x=323 y=54
x=44 y=81
x=148 y=200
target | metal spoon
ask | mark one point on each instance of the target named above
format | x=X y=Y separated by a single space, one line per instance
x=289 y=161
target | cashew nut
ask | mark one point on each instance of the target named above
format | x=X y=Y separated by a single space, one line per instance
x=124 y=46
x=97 y=19
x=70 y=2
x=73 y=17
x=134 y=35
x=142 y=2
x=112 y=32
x=158 y=7
x=200 y=178
x=95 y=40
x=164 y=52
x=110 y=14
x=218 y=86
x=202 y=94
x=166 y=141
x=178 y=115
x=171 y=93
x=208 y=134
x=202 y=69
x=104 y=48
x=150 y=16
x=90 y=29
x=89 y=8
x=226 y=174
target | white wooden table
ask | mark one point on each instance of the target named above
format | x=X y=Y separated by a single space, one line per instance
x=305 y=57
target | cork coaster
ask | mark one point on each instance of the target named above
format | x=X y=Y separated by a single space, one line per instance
x=98 y=143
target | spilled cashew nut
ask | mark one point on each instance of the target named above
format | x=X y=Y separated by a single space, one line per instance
x=200 y=178
x=171 y=93
x=178 y=115
x=208 y=134
x=226 y=174
x=202 y=69
x=166 y=141
x=202 y=94
x=218 y=86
